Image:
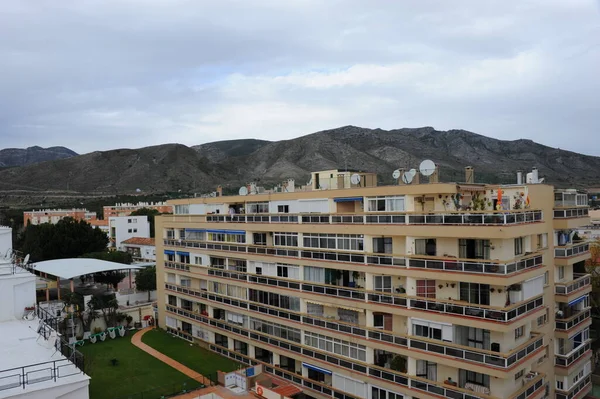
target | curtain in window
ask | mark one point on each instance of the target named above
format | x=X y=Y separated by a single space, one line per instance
x=315 y=274
x=427 y=370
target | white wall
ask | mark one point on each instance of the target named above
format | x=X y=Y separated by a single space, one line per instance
x=16 y=292
x=127 y=227
x=72 y=390
x=5 y=240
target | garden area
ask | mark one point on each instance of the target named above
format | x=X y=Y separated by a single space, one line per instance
x=120 y=370
x=134 y=374
x=198 y=359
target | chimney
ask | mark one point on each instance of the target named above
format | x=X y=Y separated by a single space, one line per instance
x=519 y=177
x=219 y=191
x=534 y=175
x=469 y=175
x=435 y=176
x=291 y=185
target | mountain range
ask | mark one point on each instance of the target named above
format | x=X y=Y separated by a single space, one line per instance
x=173 y=167
x=26 y=156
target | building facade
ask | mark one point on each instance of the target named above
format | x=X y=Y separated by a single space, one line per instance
x=54 y=215
x=122 y=228
x=142 y=249
x=409 y=291
x=125 y=209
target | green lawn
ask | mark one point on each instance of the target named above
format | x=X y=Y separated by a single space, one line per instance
x=135 y=372
x=201 y=360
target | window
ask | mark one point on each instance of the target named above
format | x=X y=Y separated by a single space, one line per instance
x=427 y=370
x=314 y=309
x=546 y=278
x=285 y=239
x=348 y=316
x=425 y=247
x=427 y=332
x=472 y=377
x=475 y=293
x=134 y=221
x=383 y=283
x=561 y=273
x=283 y=208
x=379 y=393
x=542 y=241
x=135 y=230
x=278 y=330
x=385 y=204
x=259 y=238
x=227 y=237
x=129 y=230
x=128 y=220
x=272 y=299
x=335 y=345
x=197 y=260
x=560 y=385
x=186 y=282
x=288 y=271
x=426 y=288
x=352 y=242
x=382 y=245
x=543 y=319
x=257 y=207
x=519 y=332
x=519 y=374
x=518 y=246
x=314 y=274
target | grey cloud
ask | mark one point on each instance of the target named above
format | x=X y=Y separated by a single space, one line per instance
x=104 y=74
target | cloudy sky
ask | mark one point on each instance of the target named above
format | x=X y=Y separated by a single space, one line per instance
x=102 y=74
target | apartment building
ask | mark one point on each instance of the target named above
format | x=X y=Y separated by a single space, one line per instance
x=54 y=215
x=125 y=209
x=142 y=249
x=428 y=290
x=123 y=228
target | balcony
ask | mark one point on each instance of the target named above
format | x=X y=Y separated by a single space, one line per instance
x=571 y=319
x=433 y=218
x=581 y=284
x=574 y=249
x=578 y=391
x=475 y=265
x=368 y=370
x=566 y=357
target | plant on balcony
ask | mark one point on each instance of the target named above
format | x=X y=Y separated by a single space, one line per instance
x=478 y=203
x=398 y=364
x=440 y=286
x=492 y=289
x=456 y=200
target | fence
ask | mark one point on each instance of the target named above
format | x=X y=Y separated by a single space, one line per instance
x=166 y=391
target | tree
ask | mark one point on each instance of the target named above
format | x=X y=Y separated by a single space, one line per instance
x=68 y=238
x=86 y=317
x=111 y=256
x=151 y=213
x=112 y=278
x=145 y=280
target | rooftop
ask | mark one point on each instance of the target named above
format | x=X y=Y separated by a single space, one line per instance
x=75 y=267
x=140 y=241
x=24 y=348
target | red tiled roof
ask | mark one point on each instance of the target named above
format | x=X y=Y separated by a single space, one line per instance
x=287 y=390
x=140 y=241
x=97 y=222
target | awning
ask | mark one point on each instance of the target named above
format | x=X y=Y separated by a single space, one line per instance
x=238 y=232
x=316 y=368
x=183 y=253
x=576 y=301
x=348 y=199
x=169 y=252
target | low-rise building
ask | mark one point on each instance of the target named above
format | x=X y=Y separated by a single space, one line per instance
x=125 y=209
x=54 y=215
x=141 y=248
x=122 y=228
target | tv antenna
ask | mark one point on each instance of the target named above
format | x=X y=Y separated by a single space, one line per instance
x=355 y=179
x=243 y=190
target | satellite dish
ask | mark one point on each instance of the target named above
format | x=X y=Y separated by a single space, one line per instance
x=407 y=177
x=396 y=174
x=8 y=253
x=427 y=167
x=413 y=172
x=541 y=180
x=243 y=190
x=26 y=260
x=355 y=178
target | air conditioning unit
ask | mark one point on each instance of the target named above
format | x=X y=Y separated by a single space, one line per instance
x=495 y=347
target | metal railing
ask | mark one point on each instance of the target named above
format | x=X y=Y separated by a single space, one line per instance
x=572 y=250
x=500 y=360
x=433 y=218
x=571 y=213
x=474 y=266
x=569 y=358
x=580 y=281
x=567 y=324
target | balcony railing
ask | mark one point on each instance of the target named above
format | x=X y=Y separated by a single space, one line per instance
x=572 y=321
x=567 y=359
x=582 y=385
x=571 y=213
x=472 y=355
x=580 y=281
x=414 y=261
x=572 y=250
x=474 y=265
x=449 y=307
x=433 y=218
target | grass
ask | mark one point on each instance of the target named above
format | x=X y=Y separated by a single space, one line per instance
x=135 y=372
x=198 y=359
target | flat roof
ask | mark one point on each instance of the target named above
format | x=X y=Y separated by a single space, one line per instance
x=75 y=267
x=20 y=348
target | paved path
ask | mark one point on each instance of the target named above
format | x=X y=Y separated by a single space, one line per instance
x=137 y=341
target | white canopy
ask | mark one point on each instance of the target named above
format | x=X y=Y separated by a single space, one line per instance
x=71 y=268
